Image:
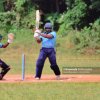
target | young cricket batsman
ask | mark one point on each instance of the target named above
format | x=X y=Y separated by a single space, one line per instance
x=48 y=40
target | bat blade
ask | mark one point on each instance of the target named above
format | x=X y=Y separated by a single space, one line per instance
x=37 y=19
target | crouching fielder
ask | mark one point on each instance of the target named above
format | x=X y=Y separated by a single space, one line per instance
x=4 y=67
x=48 y=39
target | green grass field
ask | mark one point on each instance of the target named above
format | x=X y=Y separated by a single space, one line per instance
x=50 y=91
x=24 y=43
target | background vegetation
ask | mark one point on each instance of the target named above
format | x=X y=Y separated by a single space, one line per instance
x=77 y=23
x=79 y=20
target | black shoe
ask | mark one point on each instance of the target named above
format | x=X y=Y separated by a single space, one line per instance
x=4 y=72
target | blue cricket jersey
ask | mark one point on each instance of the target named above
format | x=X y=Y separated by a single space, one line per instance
x=1 y=45
x=49 y=42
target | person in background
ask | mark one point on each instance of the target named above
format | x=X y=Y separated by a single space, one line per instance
x=5 y=68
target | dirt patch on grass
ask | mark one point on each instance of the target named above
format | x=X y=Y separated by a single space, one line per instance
x=51 y=78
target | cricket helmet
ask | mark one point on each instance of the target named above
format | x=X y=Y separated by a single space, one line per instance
x=0 y=37
x=48 y=25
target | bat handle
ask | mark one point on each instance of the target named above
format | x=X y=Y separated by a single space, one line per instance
x=37 y=28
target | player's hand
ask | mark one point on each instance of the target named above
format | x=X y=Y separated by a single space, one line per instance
x=10 y=38
x=37 y=32
x=10 y=41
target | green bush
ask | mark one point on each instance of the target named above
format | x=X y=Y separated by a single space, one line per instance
x=1 y=5
x=6 y=20
x=89 y=37
x=73 y=18
x=17 y=18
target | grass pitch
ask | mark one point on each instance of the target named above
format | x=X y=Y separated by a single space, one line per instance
x=24 y=43
x=50 y=91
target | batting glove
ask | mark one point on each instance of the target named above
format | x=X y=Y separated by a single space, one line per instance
x=10 y=41
x=37 y=32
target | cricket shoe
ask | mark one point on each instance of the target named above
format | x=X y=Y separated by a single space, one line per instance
x=37 y=78
x=58 y=77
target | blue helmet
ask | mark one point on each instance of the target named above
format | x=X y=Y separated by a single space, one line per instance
x=0 y=37
x=48 y=25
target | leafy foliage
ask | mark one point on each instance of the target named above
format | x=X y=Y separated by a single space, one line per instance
x=87 y=37
x=73 y=18
x=7 y=19
x=1 y=5
x=77 y=20
x=95 y=5
x=19 y=5
x=18 y=18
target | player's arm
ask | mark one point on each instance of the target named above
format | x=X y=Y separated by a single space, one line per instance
x=49 y=36
x=10 y=40
x=5 y=45
x=38 y=39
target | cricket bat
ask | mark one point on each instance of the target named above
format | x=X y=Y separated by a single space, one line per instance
x=37 y=19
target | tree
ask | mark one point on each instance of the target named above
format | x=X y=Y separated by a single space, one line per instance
x=95 y=4
x=49 y=6
x=8 y=5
